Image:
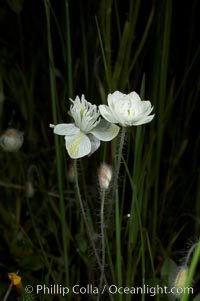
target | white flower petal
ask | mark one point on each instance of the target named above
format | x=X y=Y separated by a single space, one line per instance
x=78 y=146
x=107 y=114
x=66 y=129
x=95 y=143
x=135 y=97
x=113 y=97
x=105 y=131
x=85 y=115
x=147 y=108
x=143 y=120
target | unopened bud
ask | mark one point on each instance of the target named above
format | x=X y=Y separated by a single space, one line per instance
x=29 y=189
x=105 y=176
x=11 y=140
x=71 y=174
x=180 y=280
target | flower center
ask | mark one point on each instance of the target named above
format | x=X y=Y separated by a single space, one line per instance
x=86 y=115
x=125 y=108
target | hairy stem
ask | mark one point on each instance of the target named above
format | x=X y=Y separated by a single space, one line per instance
x=86 y=223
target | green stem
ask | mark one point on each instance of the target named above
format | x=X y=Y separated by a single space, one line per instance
x=117 y=211
x=106 y=65
x=193 y=265
x=102 y=242
x=119 y=156
x=138 y=214
x=118 y=244
x=162 y=93
x=117 y=169
x=68 y=47
x=57 y=148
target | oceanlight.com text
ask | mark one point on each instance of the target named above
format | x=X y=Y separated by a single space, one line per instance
x=149 y=290
x=89 y=289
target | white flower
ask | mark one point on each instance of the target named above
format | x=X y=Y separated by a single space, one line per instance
x=83 y=136
x=126 y=109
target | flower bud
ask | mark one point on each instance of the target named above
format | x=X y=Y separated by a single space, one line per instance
x=29 y=189
x=11 y=140
x=105 y=176
x=71 y=174
x=180 y=280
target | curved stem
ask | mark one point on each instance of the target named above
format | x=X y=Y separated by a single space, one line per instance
x=86 y=223
x=190 y=253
